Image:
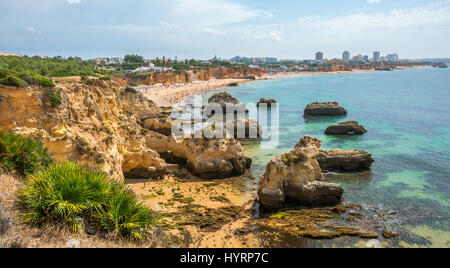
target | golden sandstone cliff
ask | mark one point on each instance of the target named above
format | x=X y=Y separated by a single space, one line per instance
x=102 y=125
x=198 y=75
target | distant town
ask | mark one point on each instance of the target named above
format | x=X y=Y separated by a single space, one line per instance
x=138 y=64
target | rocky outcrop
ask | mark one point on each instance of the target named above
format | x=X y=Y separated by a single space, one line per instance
x=223 y=98
x=225 y=102
x=324 y=109
x=208 y=158
x=297 y=175
x=346 y=128
x=269 y=102
x=97 y=125
x=158 y=123
x=347 y=161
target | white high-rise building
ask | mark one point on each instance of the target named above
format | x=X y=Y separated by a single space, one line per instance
x=393 y=58
x=376 y=56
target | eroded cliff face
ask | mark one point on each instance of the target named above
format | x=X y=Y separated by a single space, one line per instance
x=199 y=75
x=94 y=125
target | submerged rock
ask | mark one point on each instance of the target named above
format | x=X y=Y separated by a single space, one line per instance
x=341 y=160
x=346 y=128
x=297 y=175
x=324 y=109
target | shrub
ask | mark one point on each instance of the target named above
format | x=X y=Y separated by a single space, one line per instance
x=89 y=82
x=105 y=78
x=38 y=80
x=125 y=215
x=131 y=90
x=22 y=155
x=67 y=191
x=293 y=158
x=21 y=79
x=54 y=97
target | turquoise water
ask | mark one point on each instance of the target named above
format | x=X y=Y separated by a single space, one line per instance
x=407 y=115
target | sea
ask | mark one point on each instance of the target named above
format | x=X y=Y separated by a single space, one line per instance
x=407 y=115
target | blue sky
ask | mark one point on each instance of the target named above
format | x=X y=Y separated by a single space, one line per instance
x=293 y=29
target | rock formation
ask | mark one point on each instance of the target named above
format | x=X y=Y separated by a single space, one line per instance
x=95 y=125
x=120 y=132
x=297 y=175
x=347 y=161
x=346 y=128
x=233 y=85
x=224 y=101
x=324 y=109
x=209 y=158
x=269 y=102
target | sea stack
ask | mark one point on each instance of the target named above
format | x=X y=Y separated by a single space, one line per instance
x=346 y=128
x=269 y=102
x=226 y=102
x=324 y=109
x=297 y=175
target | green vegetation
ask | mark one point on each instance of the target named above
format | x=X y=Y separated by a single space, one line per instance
x=89 y=82
x=22 y=156
x=68 y=192
x=293 y=158
x=131 y=90
x=22 y=79
x=51 y=67
x=55 y=98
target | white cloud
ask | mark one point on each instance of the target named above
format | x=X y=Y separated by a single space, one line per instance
x=263 y=35
x=200 y=13
x=74 y=1
x=374 y=1
x=395 y=20
x=275 y=35
x=33 y=30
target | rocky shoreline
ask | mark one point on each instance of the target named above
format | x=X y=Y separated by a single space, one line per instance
x=203 y=188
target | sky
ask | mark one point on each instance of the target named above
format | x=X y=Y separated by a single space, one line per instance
x=287 y=29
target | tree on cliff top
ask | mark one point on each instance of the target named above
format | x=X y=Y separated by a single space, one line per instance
x=134 y=59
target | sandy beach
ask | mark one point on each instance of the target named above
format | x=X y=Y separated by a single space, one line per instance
x=170 y=95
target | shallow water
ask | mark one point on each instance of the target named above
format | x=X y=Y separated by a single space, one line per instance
x=407 y=114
